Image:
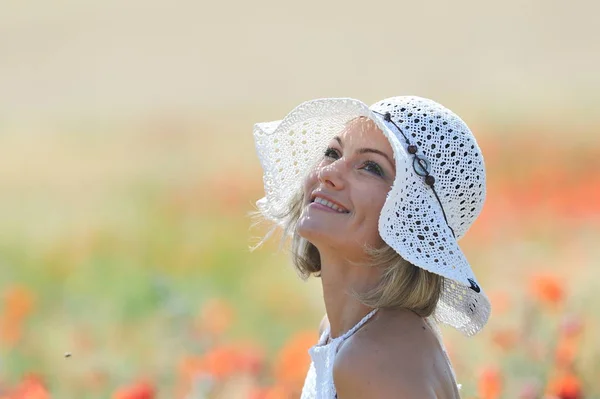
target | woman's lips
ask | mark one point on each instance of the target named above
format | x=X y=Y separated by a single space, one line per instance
x=325 y=208
x=329 y=203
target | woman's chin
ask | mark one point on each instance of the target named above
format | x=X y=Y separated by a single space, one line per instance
x=306 y=229
x=323 y=237
x=314 y=230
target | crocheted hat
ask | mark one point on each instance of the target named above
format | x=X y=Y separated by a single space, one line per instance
x=438 y=191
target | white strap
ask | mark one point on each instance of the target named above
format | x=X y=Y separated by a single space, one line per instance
x=358 y=325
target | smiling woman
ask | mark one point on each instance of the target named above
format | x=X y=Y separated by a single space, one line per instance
x=374 y=200
x=355 y=178
x=352 y=176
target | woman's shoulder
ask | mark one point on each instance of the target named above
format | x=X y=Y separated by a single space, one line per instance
x=392 y=333
x=391 y=356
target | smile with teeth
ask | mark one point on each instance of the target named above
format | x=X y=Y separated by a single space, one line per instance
x=329 y=204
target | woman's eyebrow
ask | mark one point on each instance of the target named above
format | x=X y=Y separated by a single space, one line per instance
x=374 y=151
x=366 y=150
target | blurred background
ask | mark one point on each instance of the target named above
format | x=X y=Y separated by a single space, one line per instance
x=127 y=172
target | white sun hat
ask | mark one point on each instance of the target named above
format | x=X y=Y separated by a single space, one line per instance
x=438 y=191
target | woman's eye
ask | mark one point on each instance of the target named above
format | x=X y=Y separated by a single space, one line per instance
x=332 y=153
x=373 y=167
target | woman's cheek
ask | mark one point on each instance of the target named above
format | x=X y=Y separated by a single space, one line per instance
x=375 y=200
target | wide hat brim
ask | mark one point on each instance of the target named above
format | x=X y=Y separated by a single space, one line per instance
x=289 y=148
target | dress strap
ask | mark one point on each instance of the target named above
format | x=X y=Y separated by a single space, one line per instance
x=358 y=325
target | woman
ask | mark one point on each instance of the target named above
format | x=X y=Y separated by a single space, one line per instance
x=375 y=199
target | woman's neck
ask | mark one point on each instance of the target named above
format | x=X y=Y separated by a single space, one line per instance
x=340 y=279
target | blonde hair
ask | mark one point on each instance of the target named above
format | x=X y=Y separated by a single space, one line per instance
x=402 y=284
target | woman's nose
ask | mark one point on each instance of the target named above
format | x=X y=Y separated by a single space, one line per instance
x=332 y=176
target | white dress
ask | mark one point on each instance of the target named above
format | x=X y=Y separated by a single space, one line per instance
x=319 y=380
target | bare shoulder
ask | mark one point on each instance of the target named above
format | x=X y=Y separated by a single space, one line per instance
x=392 y=357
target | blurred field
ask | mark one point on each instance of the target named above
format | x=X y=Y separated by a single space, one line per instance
x=125 y=269
x=534 y=61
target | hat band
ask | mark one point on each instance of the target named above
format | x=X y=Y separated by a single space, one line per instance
x=420 y=164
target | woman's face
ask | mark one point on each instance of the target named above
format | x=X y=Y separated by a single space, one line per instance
x=344 y=194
